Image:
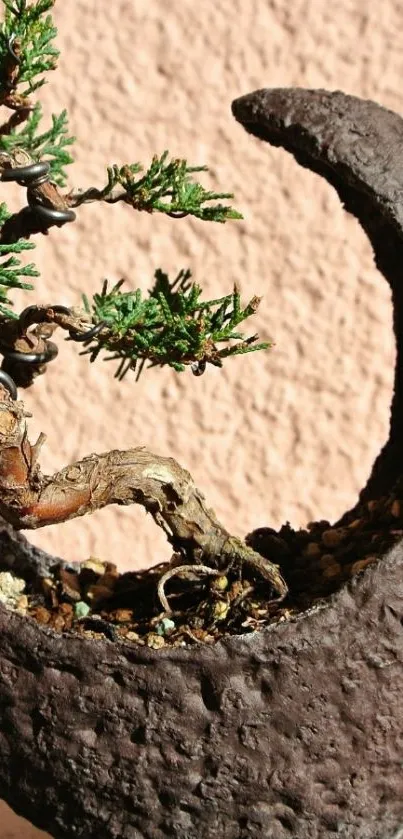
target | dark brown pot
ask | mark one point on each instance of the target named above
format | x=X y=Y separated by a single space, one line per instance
x=293 y=732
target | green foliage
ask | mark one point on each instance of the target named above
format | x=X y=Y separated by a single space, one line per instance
x=30 y=32
x=50 y=145
x=11 y=269
x=172 y=326
x=166 y=187
x=26 y=24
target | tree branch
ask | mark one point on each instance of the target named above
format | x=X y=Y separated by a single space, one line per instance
x=30 y=500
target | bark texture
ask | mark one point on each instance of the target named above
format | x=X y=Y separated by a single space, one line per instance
x=29 y=499
x=293 y=732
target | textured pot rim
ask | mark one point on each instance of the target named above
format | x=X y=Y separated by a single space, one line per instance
x=232 y=644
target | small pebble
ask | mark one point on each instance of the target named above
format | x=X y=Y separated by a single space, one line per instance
x=57 y=622
x=47 y=584
x=111 y=574
x=333 y=538
x=66 y=609
x=154 y=641
x=104 y=587
x=219 y=583
x=199 y=634
x=323 y=524
x=99 y=592
x=220 y=610
x=312 y=549
x=109 y=579
x=10 y=588
x=132 y=636
x=81 y=609
x=332 y=570
x=70 y=584
x=41 y=614
x=22 y=604
x=361 y=564
x=326 y=560
x=123 y=615
x=94 y=564
x=165 y=626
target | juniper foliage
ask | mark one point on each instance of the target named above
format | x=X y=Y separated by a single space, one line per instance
x=50 y=144
x=165 y=186
x=28 y=25
x=172 y=325
x=12 y=270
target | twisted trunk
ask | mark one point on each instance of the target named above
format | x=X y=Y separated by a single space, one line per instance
x=29 y=500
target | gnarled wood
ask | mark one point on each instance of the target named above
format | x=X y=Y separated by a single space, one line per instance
x=29 y=500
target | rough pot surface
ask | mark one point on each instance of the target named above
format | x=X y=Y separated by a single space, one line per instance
x=292 y=732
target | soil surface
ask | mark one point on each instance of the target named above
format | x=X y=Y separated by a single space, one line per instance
x=94 y=599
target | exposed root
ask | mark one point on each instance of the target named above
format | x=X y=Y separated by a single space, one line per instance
x=178 y=572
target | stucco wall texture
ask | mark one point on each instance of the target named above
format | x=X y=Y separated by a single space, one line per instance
x=284 y=435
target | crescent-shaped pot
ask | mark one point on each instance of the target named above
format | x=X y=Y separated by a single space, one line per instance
x=295 y=732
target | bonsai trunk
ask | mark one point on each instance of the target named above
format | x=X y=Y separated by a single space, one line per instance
x=30 y=499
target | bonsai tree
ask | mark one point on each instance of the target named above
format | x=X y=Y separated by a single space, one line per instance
x=291 y=731
x=171 y=326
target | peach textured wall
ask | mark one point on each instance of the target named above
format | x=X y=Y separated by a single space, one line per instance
x=286 y=435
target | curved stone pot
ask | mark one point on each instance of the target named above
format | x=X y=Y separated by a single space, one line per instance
x=293 y=732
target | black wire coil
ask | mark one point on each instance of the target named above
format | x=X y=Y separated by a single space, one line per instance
x=198 y=367
x=32 y=176
x=18 y=368
x=21 y=366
